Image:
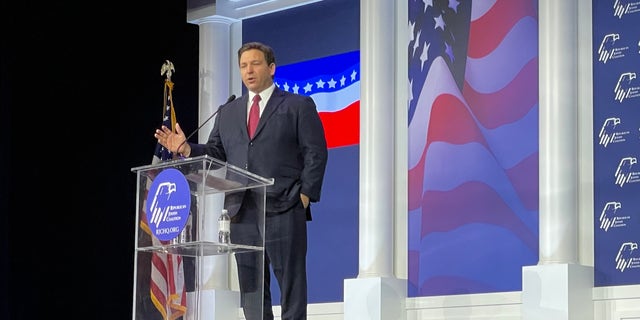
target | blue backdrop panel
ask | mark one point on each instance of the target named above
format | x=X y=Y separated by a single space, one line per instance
x=616 y=142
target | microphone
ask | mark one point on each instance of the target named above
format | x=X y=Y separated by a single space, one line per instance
x=231 y=98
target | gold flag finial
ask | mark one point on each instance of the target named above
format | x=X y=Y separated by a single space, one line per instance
x=168 y=69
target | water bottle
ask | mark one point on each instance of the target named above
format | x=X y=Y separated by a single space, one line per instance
x=224 y=227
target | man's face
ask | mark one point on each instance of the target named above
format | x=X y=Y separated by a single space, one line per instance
x=256 y=74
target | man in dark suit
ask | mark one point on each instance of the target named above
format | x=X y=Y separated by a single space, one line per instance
x=288 y=145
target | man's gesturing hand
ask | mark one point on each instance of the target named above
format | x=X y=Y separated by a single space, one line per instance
x=172 y=140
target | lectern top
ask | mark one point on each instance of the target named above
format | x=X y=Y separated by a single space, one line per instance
x=204 y=163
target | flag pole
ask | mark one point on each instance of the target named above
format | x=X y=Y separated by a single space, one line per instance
x=167 y=286
x=167 y=70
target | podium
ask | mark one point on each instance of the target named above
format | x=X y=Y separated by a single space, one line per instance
x=181 y=268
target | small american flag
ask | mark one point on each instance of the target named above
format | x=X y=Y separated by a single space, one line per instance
x=167 y=287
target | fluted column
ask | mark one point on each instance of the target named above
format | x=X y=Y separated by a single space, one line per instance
x=215 y=67
x=376 y=294
x=376 y=138
x=558 y=40
x=558 y=287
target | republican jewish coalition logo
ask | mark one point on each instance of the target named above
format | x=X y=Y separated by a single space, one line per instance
x=610 y=133
x=168 y=203
x=627 y=87
x=611 y=216
x=627 y=171
x=609 y=48
x=628 y=256
x=622 y=7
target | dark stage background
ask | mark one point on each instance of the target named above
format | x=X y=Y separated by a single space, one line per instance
x=81 y=96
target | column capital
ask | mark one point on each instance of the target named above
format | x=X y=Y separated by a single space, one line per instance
x=213 y=19
x=238 y=10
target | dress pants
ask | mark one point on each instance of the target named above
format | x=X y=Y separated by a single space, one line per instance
x=285 y=254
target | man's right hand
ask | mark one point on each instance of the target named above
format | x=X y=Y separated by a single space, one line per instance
x=173 y=141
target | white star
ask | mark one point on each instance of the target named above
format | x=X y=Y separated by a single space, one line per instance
x=439 y=22
x=320 y=84
x=453 y=4
x=412 y=26
x=308 y=87
x=449 y=52
x=417 y=43
x=353 y=75
x=342 y=81
x=427 y=3
x=425 y=55
x=332 y=83
x=296 y=88
x=410 y=90
x=286 y=86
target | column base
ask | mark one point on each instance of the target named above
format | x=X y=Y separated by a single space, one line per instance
x=558 y=292
x=375 y=298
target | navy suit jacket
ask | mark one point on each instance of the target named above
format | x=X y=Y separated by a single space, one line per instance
x=289 y=145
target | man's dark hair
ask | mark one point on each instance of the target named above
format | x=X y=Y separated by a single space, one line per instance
x=269 y=56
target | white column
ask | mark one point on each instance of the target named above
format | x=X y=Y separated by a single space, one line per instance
x=558 y=131
x=377 y=103
x=215 y=67
x=558 y=288
x=218 y=297
x=376 y=293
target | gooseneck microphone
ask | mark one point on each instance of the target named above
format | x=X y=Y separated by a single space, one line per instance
x=231 y=98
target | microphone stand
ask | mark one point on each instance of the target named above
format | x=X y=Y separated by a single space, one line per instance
x=231 y=98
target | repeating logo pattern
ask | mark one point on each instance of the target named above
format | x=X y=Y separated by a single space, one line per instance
x=616 y=141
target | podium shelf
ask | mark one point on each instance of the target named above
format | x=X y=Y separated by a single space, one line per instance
x=200 y=248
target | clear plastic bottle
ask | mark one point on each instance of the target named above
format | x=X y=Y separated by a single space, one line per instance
x=224 y=227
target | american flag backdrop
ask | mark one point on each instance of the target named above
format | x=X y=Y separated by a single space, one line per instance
x=473 y=145
x=166 y=283
x=334 y=84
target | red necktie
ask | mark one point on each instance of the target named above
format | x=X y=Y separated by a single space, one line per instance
x=254 y=115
